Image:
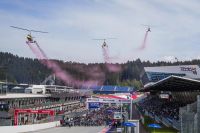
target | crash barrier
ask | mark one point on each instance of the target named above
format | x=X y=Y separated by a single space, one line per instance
x=28 y=128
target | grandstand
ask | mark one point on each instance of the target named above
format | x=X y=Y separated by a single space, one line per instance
x=112 y=89
x=173 y=101
x=61 y=99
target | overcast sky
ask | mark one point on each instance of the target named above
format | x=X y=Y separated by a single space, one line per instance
x=73 y=24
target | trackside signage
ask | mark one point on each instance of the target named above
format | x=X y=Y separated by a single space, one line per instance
x=93 y=105
x=189 y=69
x=108 y=100
x=93 y=100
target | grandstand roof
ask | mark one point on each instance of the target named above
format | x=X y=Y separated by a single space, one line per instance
x=113 y=88
x=108 y=88
x=173 y=83
x=123 y=88
x=21 y=95
x=96 y=88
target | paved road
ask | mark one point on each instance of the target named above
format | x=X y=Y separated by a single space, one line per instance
x=72 y=130
x=88 y=129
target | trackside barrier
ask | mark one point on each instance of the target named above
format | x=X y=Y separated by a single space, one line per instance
x=166 y=122
x=28 y=128
x=157 y=119
x=177 y=125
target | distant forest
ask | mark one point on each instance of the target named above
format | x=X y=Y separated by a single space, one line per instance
x=31 y=71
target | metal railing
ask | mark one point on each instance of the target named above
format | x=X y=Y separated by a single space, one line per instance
x=48 y=104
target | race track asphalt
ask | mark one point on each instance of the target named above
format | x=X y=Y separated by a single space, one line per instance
x=72 y=130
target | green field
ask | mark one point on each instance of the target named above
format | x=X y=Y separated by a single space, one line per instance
x=164 y=129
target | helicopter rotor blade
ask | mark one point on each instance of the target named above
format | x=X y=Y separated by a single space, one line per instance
x=98 y=39
x=38 y=31
x=149 y=26
x=104 y=38
x=20 y=28
x=111 y=38
x=145 y=25
x=28 y=29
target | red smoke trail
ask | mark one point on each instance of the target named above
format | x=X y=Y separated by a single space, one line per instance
x=37 y=53
x=140 y=48
x=60 y=73
x=144 y=41
x=50 y=64
x=111 y=67
x=41 y=51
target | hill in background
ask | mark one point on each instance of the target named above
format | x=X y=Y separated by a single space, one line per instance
x=31 y=71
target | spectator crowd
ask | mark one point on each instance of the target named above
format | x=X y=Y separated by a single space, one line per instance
x=161 y=107
x=98 y=117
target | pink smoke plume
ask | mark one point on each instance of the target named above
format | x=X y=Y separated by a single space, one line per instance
x=96 y=72
x=60 y=73
x=111 y=67
x=143 y=46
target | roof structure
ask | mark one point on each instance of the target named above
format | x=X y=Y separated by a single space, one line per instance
x=21 y=95
x=189 y=71
x=173 y=83
x=123 y=96
x=108 y=88
x=112 y=88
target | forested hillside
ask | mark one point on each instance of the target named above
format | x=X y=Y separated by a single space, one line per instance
x=31 y=71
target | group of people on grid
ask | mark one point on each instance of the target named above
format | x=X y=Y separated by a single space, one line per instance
x=100 y=117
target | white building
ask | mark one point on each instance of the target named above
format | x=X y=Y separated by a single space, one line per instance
x=45 y=89
x=154 y=74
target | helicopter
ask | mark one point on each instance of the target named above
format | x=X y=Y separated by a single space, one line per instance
x=104 y=42
x=148 y=27
x=29 y=37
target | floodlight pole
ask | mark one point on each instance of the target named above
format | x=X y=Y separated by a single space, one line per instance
x=131 y=110
x=121 y=113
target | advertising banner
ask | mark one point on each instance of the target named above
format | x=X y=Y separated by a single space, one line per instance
x=100 y=100
x=93 y=105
